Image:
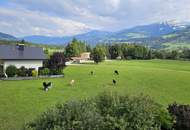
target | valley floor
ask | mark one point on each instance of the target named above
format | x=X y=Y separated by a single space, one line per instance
x=165 y=81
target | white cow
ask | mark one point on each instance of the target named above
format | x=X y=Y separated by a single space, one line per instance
x=72 y=82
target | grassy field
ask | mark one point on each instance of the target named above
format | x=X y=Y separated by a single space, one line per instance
x=164 y=81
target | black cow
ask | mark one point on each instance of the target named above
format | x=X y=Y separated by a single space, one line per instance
x=47 y=86
x=92 y=72
x=114 y=81
x=116 y=72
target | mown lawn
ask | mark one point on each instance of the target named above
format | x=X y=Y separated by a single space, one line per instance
x=164 y=81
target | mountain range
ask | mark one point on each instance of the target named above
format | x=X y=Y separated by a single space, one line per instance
x=91 y=37
x=4 y=36
x=177 y=40
x=153 y=35
x=95 y=36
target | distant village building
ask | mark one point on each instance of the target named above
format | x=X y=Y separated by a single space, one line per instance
x=119 y=58
x=85 y=56
x=20 y=55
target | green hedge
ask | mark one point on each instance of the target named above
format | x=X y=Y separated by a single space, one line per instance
x=105 y=112
x=56 y=71
x=11 y=71
x=44 y=71
x=22 y=72
x=1 y=72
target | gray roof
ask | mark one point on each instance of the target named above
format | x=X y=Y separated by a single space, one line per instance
x=13 y=53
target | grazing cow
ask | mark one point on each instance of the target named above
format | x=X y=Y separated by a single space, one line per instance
x=116 y=72
x=47 y=86
x=72 y=82
x=50 y=85
x=92 y=73
x=114 y=82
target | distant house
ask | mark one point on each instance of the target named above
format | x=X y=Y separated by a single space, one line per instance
x=85 y=56
x=20 y=55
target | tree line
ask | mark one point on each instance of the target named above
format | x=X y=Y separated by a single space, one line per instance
x=110 y=51
x=122 y=51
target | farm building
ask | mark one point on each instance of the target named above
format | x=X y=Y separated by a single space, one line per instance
x=82 y=58
x=20 y=55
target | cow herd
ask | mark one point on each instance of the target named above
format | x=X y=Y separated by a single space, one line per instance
x=47 y=86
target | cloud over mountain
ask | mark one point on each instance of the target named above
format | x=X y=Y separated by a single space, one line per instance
x=69 y=17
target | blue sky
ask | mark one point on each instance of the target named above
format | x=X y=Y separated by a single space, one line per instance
x=70 y=17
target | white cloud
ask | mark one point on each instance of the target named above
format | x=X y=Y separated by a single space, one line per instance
x=114 y=3
x=67 y=17
x=25 y=22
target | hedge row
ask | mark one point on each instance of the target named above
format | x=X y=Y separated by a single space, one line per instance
x=12 y=71
x=1 y=72
x=110 y=111
x=105 y=112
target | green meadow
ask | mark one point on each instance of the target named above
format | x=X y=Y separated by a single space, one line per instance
x=164 y=81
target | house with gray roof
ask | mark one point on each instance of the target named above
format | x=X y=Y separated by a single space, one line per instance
x=20 y=55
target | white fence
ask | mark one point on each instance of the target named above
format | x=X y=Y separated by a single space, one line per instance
x=31 y=78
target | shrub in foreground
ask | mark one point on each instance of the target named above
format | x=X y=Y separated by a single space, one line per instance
x=11 y=71
x=104 y=112
x=182 y=115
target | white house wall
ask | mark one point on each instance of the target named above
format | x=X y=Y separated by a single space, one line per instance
x=26 y=63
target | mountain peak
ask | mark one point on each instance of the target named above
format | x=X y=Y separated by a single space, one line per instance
x=177 y=24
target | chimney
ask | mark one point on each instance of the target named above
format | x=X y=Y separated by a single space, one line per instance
x=20 y=47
